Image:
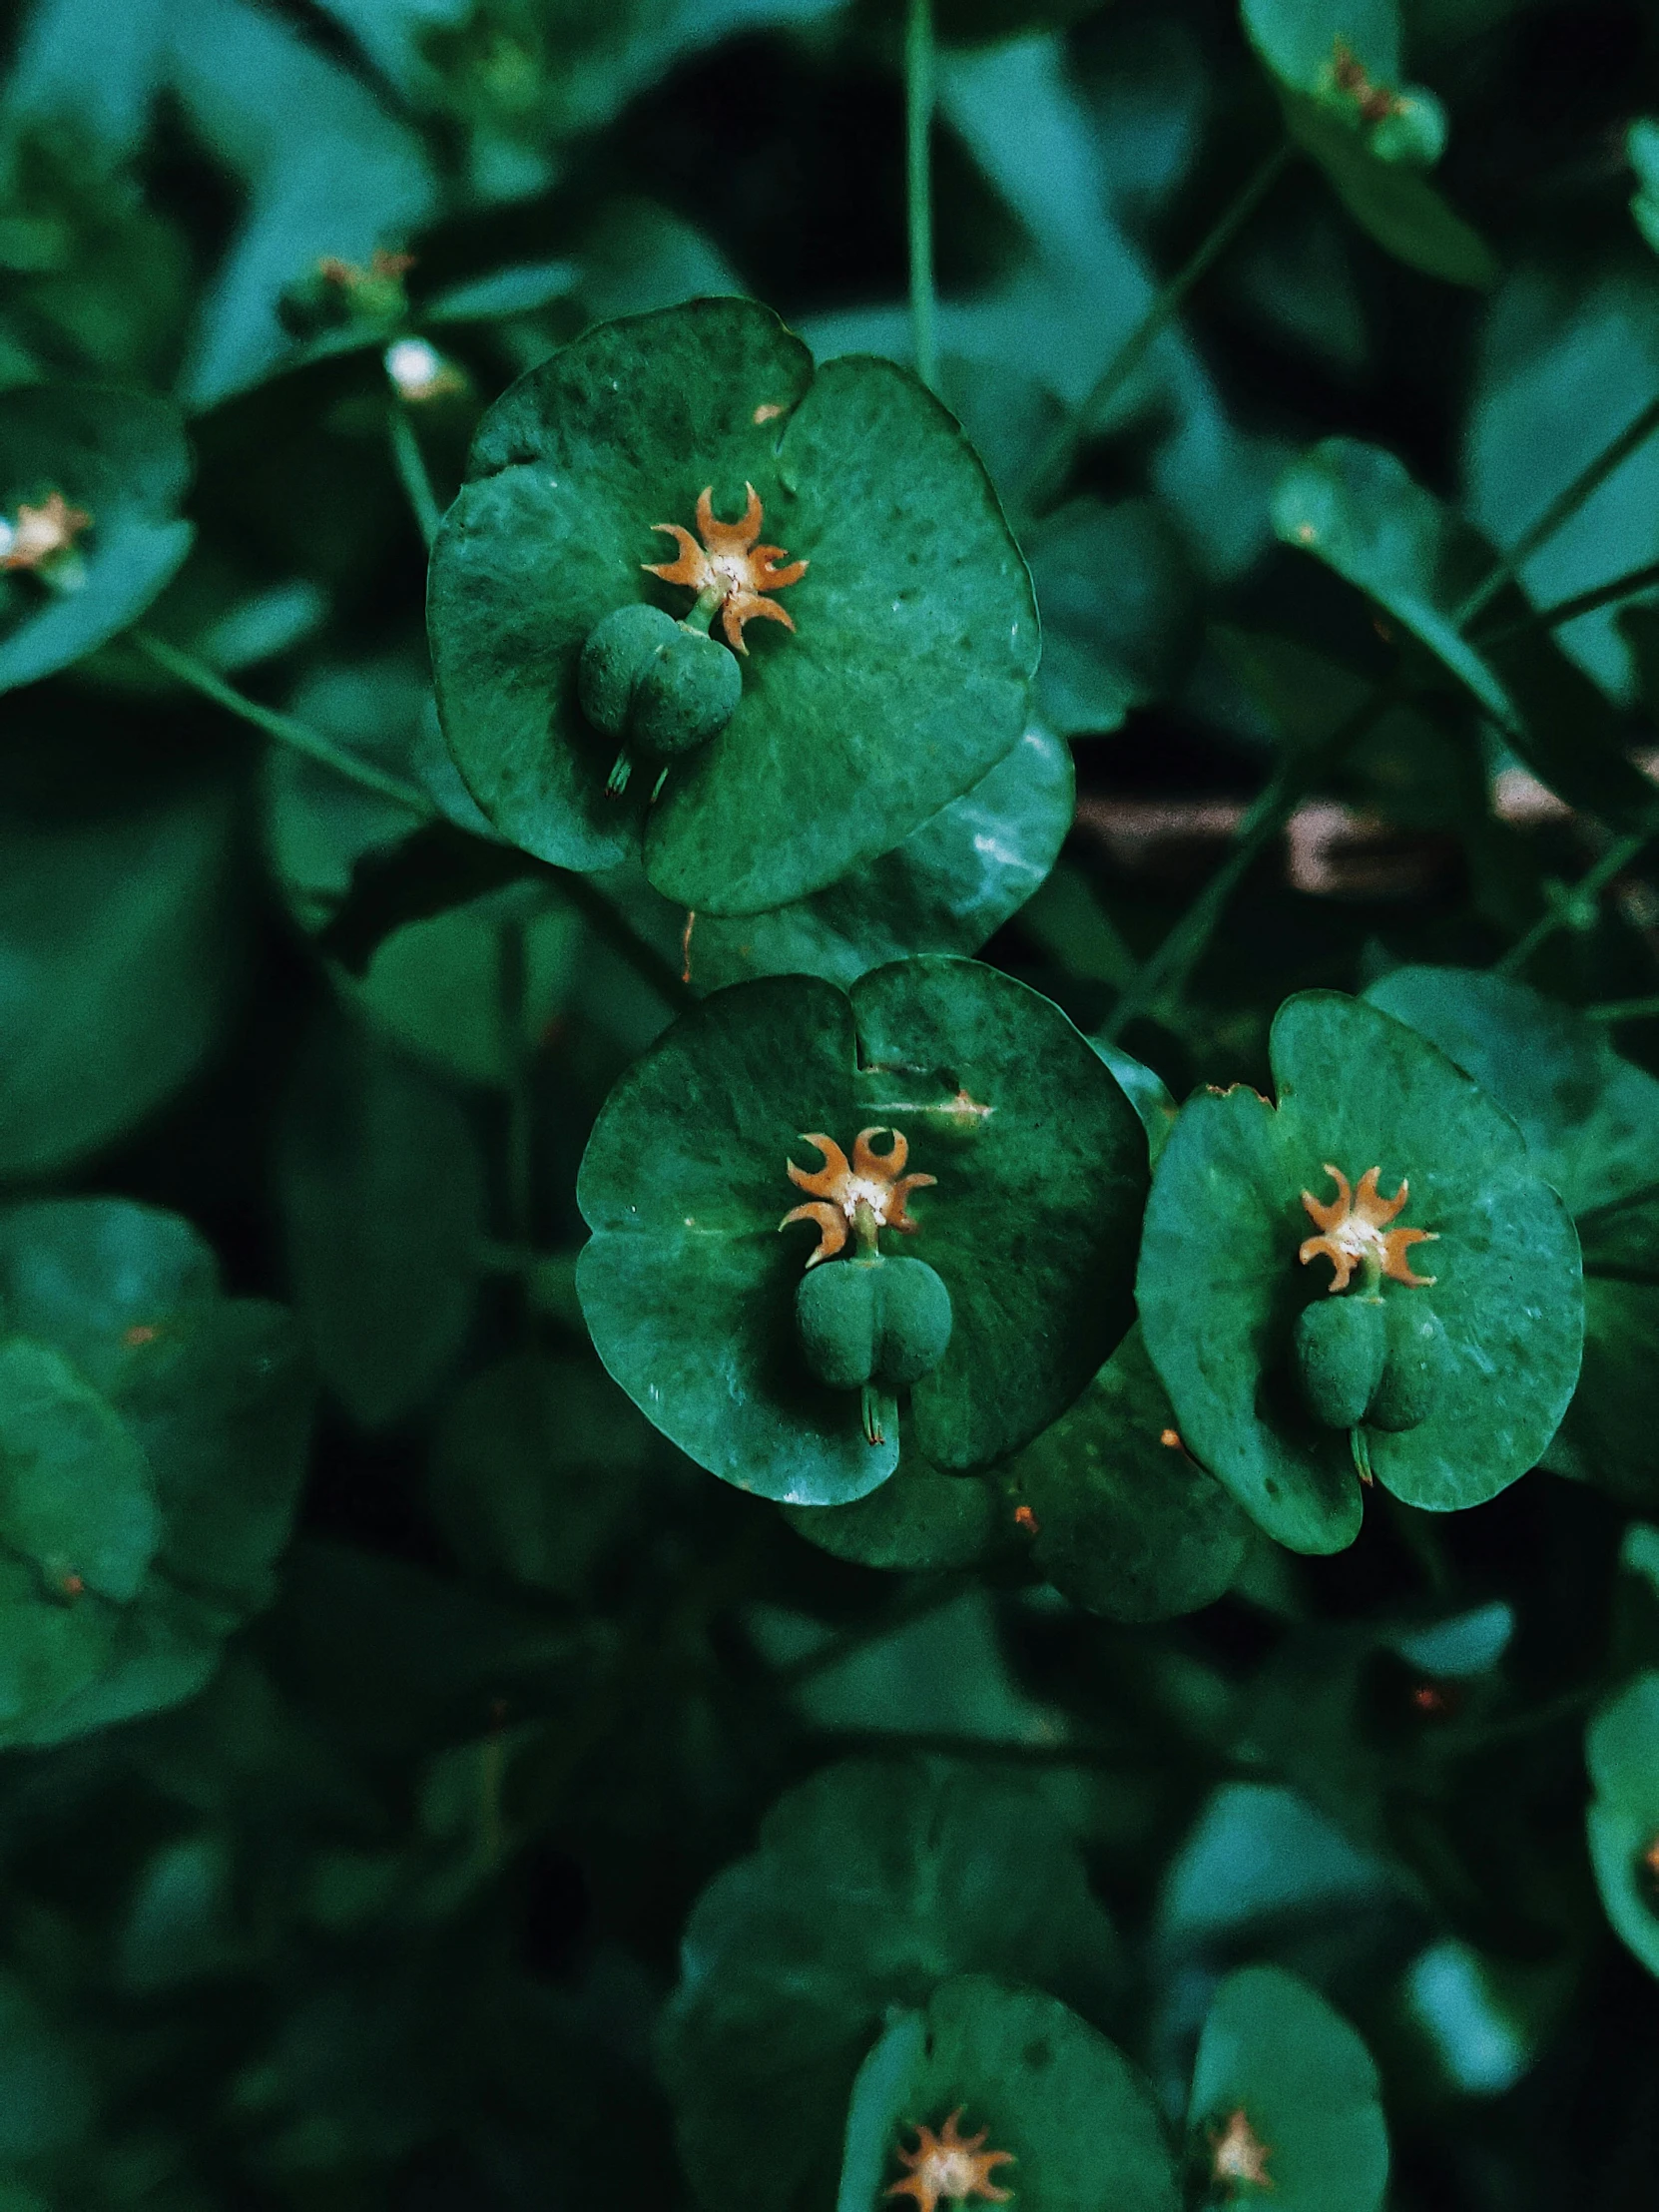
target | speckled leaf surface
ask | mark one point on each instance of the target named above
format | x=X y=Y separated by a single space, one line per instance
x=915 y=633
x=1592 y=1122
x=1220 y=1285
x=119 y=456
x=1081 y=2125
x=872 y=1884
x=1127 y=1523
x=1273 y=2049
x=687 y=1288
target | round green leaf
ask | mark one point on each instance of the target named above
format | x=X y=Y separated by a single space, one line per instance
x=1126 y=1522
x=1274 y=2051
x=1297 y=38
x=120 y=457
x=75 y=1499
x=919 y=1522
x=537 y=1470
x=1080 y=2124
x=117 y=956
x=948 y=888
x=152 y=1444
x=1220 y=1285
x=688 y=1286
x=1621 y=1749
x=916 y=631
x=872 y=1884
x=1592 y=1122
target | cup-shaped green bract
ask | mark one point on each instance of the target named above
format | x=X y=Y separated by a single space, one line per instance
x=689 y=1289
x=914 y=634
x=1621 y=1749
x=118 y=460
x=1285 y=2101
x=152 y=1442
x=1591 y=1121
x=1061 y=2120
x=872 y=1883
x=1221 y=1284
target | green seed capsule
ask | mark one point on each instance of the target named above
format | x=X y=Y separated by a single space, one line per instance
x=1417 y=1362
x=616 y=655
x=876 y=1320
x=915 y=1322
x=836 y=1314
x=686 y=694
x=1341 y=1345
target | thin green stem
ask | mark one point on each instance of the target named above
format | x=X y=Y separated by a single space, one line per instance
x=512 y=979
x=1175 y=958
x=1561 y=510
x=1628 y=586
x=188 y=669
x=1056 y=465
x=1615 y=1010
x=1575 y=899
x=918 y=132
x=413 y=474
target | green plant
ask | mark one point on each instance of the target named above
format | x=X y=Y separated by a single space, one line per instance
x=830 y=1251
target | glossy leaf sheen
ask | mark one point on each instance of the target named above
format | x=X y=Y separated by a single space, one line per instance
x=687 y=1288
x=915 y=627
x=1220 y=1283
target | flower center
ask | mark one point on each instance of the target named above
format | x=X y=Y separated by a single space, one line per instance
x=868 y=1193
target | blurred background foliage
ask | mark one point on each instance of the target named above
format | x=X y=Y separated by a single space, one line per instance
x=362 y=1879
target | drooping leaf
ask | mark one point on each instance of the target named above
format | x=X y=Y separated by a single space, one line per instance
x=1219 y=1287
x=873 y=1882
x=689 y=1289
x=914 y=637
x=119 y=458
x=1356 y=508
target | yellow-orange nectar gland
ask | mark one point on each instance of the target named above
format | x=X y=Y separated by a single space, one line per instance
x=41 y=533
x=1354 y=1231
x=1237 y=2153
x=876 y=1180
x=729 y=562
x=951 y=2167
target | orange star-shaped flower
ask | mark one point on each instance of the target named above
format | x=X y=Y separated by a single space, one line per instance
x=1237 y=2153
x=41 y=532
x=875 y=1180
x=1355 y=1232
x=951 y=2166
x=730 y=565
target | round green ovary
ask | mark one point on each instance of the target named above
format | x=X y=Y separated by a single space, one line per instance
x=616 y=655
x=687 y=693
x=1415 y=1364
x=1341 y=1346
x=873 y=1321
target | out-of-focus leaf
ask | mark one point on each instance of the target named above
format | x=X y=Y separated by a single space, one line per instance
x=117 y=951
x=1118 y=604
x=382 y=1188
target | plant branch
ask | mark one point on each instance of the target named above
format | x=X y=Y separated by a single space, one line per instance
x=919 y=131
x=1568 y=905
x=299 y=736
x=413 y=474
x=1628 y=586
x=1561 y=510
x=1056 y=465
